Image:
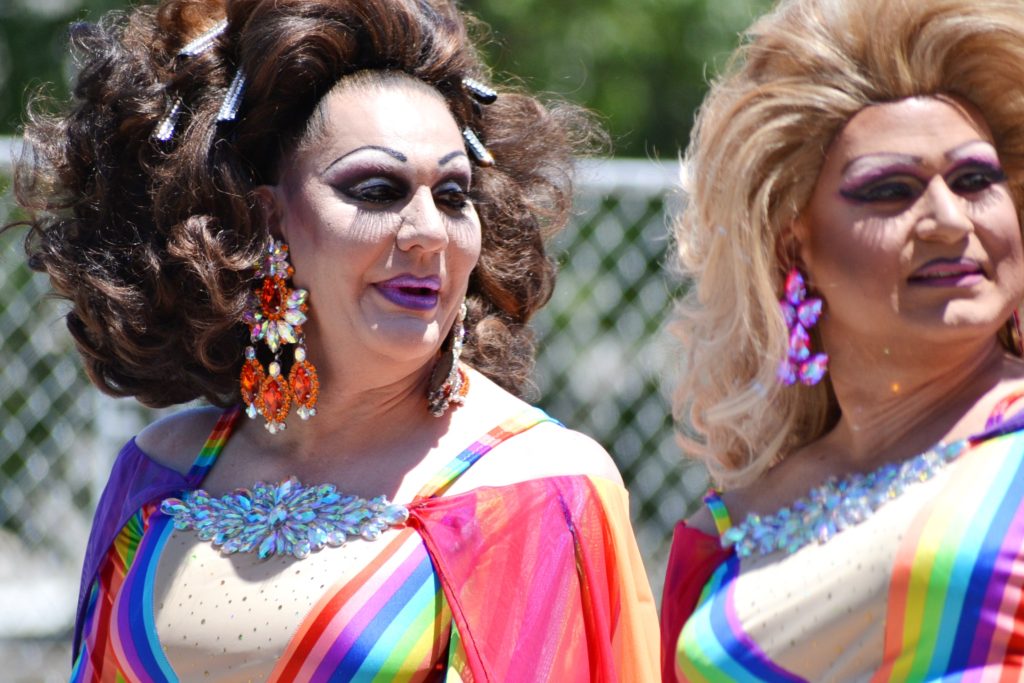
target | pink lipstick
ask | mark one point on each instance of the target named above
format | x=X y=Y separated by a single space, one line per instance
x=948 y=273
x=408 y=291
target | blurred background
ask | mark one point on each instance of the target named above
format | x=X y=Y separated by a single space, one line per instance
x=605 y=362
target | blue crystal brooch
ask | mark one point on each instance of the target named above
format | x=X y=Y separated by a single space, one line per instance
x=283 y=519
x=836 y=505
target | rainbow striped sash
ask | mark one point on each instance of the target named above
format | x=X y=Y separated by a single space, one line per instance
x=955 y=602
x=385 y=621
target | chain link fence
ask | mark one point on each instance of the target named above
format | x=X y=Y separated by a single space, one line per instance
x=605 y=363
x=602 y=369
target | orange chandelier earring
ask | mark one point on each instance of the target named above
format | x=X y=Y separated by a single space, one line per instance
x=275 y=315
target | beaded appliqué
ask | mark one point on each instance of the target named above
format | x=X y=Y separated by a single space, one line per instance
x=286 y=519
x=836 y=505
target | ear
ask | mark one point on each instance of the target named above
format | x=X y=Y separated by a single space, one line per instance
x=271 y=202
x=787 y=246
x=799 y=230
x=793 y=248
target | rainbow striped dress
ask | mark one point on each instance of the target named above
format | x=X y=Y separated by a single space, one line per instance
x=929 y=588
x=447 y=597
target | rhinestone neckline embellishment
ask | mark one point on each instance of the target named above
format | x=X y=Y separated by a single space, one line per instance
x=283 y=519
x=836 y=505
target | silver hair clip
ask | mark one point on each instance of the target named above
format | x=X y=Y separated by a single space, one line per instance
x=480 y=92
x=232 y=98
x=477 y=148
x=202 y=42
x=165 y=129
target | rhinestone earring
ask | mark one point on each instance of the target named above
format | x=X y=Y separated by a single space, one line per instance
x=275 y=315
x=800 y=313
x=456 y=383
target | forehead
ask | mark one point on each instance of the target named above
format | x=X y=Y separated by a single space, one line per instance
x=397 y=115
x=919 y=126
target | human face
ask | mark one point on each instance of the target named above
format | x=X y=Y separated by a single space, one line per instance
x=379 y=223
x=911 y=234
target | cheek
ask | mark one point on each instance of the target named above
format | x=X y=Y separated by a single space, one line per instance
x=348 y=235
x=1008 y=230
x=465 y=239
x=858 y=251
x=1008 y=255
x=860 y=269
x=363 y=230
x=999 y=232
x=330 y=249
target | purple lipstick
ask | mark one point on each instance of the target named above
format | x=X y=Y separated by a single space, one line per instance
x=408 y=291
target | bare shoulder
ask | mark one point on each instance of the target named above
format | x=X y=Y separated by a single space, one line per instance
x=702 y=521
x=550 y=450
x=738 y=503
x=544 y=450
x=176 y=440
x=777 y=487
x=1006 y=395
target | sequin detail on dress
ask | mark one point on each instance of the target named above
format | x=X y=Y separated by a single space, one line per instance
x=836 y=505
x=286 y=519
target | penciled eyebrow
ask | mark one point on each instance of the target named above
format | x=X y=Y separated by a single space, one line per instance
x=889 y=157
x=910 y=159
x=395 y=154
x=449 y=156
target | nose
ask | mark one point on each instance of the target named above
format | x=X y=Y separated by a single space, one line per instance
x=945 y=213
x=422 y=225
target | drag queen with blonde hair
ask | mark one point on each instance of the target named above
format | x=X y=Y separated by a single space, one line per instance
x=852 y=354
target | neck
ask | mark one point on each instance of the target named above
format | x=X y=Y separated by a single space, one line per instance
x=360 y=411
x=893 y=401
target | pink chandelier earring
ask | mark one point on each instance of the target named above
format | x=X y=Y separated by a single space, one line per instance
x=275 y=315
x=800 y=313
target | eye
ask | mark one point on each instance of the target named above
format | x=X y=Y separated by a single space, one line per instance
x=453 y=195
x=376 y=191
x=887 y=190
x=976 y=178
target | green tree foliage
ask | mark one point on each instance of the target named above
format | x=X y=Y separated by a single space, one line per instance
x=34 y=51
x=642 y=65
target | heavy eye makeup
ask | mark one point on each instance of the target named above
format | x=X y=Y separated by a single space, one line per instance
x=974 y=175
x=894 y=184
x=375 y=190
x=453 y=193
x=381 y=187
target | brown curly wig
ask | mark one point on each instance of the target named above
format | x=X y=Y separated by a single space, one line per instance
x=154 y=243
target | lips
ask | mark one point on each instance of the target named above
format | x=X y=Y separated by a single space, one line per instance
x=948 y=273
x=408 y=291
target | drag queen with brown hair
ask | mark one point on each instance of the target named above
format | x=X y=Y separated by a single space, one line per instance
x=318 y=215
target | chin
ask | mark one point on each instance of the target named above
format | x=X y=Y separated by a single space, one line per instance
x=959 y=328
x=404 y=341
x=975 y=314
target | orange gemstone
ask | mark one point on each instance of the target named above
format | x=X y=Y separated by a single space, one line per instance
x=273 y=397
x=250 y=381
x=270 y=297
x=302 y=385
